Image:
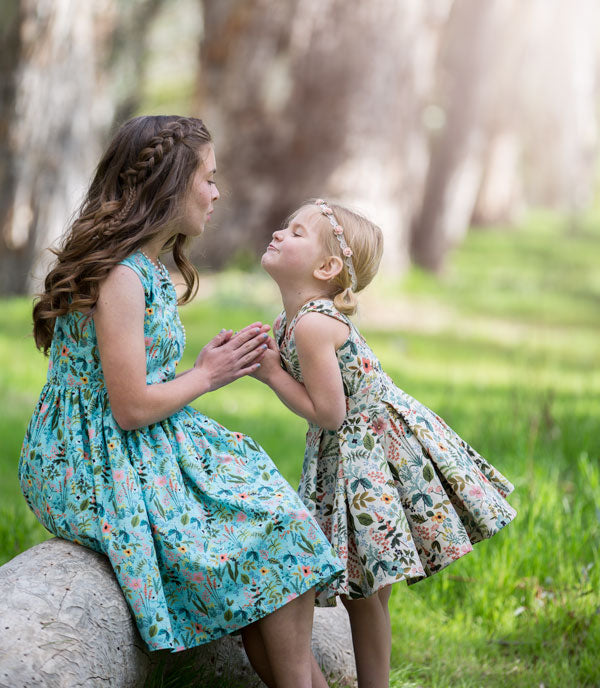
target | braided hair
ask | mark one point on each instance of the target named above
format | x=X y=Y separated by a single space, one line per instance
x=137 y=190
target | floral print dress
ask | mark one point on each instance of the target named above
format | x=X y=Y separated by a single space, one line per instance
x=203 y=533
x=396 y=491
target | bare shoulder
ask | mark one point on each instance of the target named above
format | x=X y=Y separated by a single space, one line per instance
x=319 y=328
x=122 y=285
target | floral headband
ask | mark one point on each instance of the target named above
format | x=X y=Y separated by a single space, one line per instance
x=338 y=230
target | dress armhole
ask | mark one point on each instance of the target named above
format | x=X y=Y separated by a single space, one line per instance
x=131 y=263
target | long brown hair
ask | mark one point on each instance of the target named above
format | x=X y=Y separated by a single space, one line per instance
x=136 y=191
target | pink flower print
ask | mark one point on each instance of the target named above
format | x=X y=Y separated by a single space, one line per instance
x=223 y=558
x=243 y=495
x=69 y=472
x=238 y=436
x=241 y=517
x=476 y=492
x=367 y=365
x=119 y=475
x=160 y=480
x=302 y=515
x=91 y=433
x=198 y=577
x=379 y=426
x=106 y=528
x=306 y=571
x=135 y=583
x=179 y=436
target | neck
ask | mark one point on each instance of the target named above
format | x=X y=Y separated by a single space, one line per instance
x=294 y=299
x=153 y=248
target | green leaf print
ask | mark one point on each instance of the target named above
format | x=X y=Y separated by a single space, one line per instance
x=153 y=630
x=428 y=473
x=368 y=441
x=228 y=615
x=370 y=578
x=135 y=521
x=185 y=519
x=269 y=528
x=365 y=519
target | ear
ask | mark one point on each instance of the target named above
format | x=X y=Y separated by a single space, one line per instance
x=329 y=268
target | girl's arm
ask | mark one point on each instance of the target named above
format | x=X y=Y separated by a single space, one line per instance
x=321 y=398
x=119 y=323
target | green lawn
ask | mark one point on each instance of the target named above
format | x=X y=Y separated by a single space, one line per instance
x=505 y=346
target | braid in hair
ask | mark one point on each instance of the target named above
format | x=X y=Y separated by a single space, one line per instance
x=136 y=191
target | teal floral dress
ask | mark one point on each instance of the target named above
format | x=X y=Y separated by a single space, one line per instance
x=396 y=491
x=203 y=533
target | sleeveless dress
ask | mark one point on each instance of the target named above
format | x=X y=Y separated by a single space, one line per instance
x=396 y=491
x=203 y=533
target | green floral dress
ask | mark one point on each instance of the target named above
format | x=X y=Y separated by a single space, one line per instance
x=396 y=491
x=203 y=533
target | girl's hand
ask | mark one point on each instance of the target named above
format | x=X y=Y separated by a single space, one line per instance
x=227 y=357
x=270 y=363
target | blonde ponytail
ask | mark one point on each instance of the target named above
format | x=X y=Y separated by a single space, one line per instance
x=346 y=301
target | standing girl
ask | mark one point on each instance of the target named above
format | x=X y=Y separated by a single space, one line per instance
x=397 y=492
x=204 y=535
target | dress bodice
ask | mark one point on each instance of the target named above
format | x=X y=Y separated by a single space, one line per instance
x=361 y=371
x=74 y=356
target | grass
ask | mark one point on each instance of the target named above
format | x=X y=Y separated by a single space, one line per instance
x=504 y=346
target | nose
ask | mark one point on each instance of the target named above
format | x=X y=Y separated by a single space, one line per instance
x=215 y=193
x=278 y=235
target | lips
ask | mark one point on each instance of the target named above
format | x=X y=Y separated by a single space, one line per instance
x=272 y=248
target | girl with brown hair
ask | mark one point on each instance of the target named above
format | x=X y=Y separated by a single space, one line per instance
x=204 y=535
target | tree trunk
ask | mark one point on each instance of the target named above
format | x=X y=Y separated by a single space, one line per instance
x=50 y=155
x=456 y=161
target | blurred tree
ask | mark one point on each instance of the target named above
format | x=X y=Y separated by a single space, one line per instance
x=309 y=99
x=456 y=157
x=59 y=98
x=49 y=128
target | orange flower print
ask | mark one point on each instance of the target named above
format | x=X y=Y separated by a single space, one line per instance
x=439 y=517
x=263 y=570
x=84 y=379
x=182 y=549
x=367 y=365
x=243 y=495
x=387 y=499
x=306 y=571
x=106 y=527
x=442 y=446
x=150 y=310
x=128 y=551
x=64 y=351
x=199 y=628
x=111 y=445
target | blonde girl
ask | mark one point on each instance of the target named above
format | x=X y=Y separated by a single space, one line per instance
x=397 y=492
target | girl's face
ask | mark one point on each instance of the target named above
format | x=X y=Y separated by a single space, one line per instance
x=297 y=250
x=199 y=201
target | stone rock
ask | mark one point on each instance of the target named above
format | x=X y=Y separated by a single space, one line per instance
x=64 y=623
